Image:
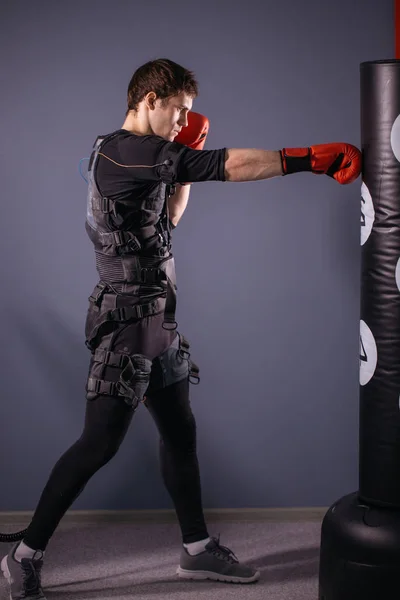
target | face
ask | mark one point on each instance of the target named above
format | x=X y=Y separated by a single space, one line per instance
x=167 y=121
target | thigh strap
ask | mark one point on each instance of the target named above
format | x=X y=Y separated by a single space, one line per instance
x=134 y=376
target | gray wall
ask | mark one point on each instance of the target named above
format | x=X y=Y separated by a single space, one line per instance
x=268 y=272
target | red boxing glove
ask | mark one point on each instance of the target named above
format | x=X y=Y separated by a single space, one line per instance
x=341 y=161
x=194 y=135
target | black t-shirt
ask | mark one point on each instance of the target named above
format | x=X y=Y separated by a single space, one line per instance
x=149 y=152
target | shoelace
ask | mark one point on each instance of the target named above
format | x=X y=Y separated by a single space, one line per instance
x=222 y=551
x=32 y=581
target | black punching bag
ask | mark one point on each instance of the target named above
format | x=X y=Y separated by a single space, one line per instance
x=360 y=535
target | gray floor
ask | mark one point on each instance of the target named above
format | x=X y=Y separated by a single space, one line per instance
x=120 y=561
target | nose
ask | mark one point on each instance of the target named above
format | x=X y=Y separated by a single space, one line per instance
x=183 y=121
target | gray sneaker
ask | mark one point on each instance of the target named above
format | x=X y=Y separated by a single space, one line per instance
x=217 y=563
x=23 y=577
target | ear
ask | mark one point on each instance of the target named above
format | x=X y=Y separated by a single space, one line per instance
x=151 y=100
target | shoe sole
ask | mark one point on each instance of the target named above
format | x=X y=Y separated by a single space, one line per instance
x=6 y=572
x=197 y=575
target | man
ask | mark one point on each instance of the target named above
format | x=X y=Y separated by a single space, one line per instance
x=139 y=185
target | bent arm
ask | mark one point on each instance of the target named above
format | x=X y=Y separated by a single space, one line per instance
x=178 y=202
x=240 y=164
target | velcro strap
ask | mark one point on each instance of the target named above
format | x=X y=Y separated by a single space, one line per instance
x=102 y=204
x=122 y=314
x=120 y=238
x=194 y=368
x=100 y=386
x=112 y=359
x=169 y=322
x=110 y=388
x=152 y=275
x=183 y=342
x=183 y=347
x=335 y=165
x=296 y=160
x=126 y=313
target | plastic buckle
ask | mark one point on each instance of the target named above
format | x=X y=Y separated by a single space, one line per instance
x=119 y=237
x=101 y=288
x=107 y=357
x=105 y=205
x=117 y=314
x=134 y=244
x=122 y=314
x=97 y=386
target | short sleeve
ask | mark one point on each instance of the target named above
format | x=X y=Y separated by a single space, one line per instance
x=151 y=158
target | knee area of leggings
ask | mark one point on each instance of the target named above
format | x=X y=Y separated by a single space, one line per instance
x=96 y=452
x=110 y=450
x=182 y=438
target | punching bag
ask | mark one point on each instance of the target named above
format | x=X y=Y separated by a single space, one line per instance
x=360 y=535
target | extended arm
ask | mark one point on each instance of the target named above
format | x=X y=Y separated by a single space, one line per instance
x=338 y=160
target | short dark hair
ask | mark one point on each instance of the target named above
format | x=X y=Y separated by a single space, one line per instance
x=163 y=77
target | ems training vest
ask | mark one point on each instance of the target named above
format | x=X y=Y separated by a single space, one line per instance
x=132 y=244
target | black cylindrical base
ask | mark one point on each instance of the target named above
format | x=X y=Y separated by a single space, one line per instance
x=360 y=552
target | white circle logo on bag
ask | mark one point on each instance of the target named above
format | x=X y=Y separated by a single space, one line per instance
x=368 y=354
x=398 y=274
x=395 y=138
x=367 y=214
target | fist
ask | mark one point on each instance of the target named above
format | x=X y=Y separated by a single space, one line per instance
x=194 y=135
x=341 y=161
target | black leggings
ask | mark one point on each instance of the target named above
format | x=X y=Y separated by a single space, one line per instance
x=106 y=422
